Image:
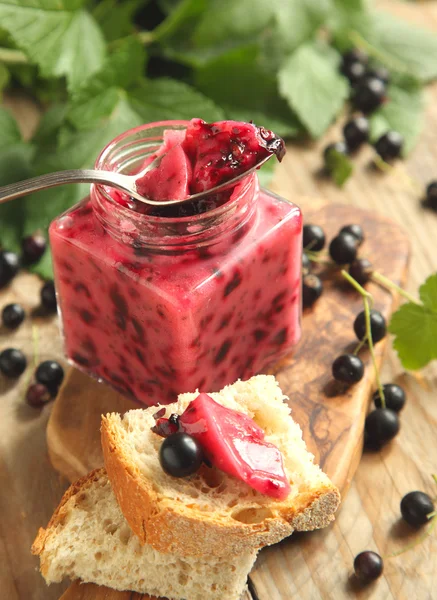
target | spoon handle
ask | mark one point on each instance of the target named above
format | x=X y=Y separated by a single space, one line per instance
x=22 y=188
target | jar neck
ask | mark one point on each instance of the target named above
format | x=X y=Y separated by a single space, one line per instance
x=167 y=235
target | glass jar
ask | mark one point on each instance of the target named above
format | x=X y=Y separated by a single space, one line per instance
x=155 y=305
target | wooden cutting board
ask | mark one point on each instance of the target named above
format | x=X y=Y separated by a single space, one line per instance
x=331 y=416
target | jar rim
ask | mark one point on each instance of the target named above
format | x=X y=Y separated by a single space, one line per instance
x=215 y=212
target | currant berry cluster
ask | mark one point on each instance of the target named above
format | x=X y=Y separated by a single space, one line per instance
x=417 y=508
x=368 y=92
x=382 y=424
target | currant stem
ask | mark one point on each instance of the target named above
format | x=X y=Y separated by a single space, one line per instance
x=388 y=168
x=9 y=56
x=360 y=345
x=387 y=283
x=356 y=285
x=315 y=257
x=432 y=515
x=434 y=477
x=35 y=340
x=372 y=351
x=417 y=541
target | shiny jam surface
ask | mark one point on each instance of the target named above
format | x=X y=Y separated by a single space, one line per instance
x=154 y=326
x=235 y=444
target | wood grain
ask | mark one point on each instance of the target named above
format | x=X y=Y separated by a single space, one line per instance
x=314 y=566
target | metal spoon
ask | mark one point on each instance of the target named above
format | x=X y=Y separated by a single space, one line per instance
x=125 y=183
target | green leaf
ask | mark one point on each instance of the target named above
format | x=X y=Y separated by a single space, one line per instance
x=164 y=98
x=9 y=131
x=309 y=80
x=15 y=164
x=349 y=16
x=44 y=267
x=250 y=93
x=228 y=19
x=340 y=167
x=267 y=172
x=296 y=22
x=403 y=113
x=57 y=35
x=415 y=328
x=184 y=14
x=404 y=47
x=115 y=18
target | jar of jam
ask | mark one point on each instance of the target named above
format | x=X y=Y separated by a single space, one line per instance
x=159 y=302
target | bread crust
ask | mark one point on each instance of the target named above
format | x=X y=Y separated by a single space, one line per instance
x=188 y=531
x=61 y=512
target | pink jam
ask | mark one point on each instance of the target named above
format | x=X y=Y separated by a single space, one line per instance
x=235 y=444
x=154 y=318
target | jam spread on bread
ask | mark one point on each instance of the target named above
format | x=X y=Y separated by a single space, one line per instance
x=233 y=443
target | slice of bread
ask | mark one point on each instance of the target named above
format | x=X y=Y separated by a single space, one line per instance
x=211 y=511
x=89 y=539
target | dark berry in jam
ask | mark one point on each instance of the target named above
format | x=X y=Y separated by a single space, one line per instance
x=369 y=94
x=394 y=397
x=368 y=566
x=48 y=296
x=378 y=326
x=348 y=368
x=33 y=247
x=12 y=316
x=331 y=150
x=355 y=230
x=381 y=426
x=180 y=455
x=389 y=146
x=354 y=71
x=50 y=373
x=361 y=270
x=431 y=195
x=306 y=264
x=354 y=55
x=415 y=508
x=343 y=248
x=379 y=72
x=313 y=238
x=9 y=265
x=312 y=289
x=37 y=395
x=12 y=362
x=356 y=132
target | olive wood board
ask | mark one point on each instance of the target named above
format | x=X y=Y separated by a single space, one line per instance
x=330 y=414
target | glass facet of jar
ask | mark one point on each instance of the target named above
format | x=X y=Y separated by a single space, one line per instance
x=157 y=306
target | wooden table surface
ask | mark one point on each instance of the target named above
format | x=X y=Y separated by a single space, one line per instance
x=320 y=564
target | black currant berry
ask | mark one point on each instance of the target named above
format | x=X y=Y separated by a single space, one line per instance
x=431 y=195
x=180 y=455
x=343 y=248
x=12 y=316
x=312 y=289
x=355 y=230
x=369 y=94
x=9 y=265
x=306 y=264
x=48 y=296
x=389 y=145
x=33 y=247
x=328 y=153
x=353 y=71
x=50 y=373
x=394 y=397
x=368 y=566
x=348 y=368
x=380 y=73
x=37 y=395
x=361 y=270
x=12 y=362
x=354 y=55
x=381 y=426
x=313 y=238
x=356 y=132
x=378 y=326
x=415 y=508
